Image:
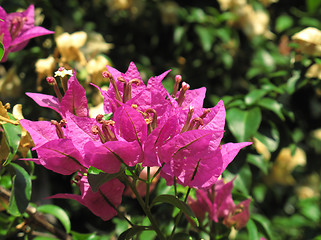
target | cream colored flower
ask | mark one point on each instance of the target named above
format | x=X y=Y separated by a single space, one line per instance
x=285 y=164
x=310 y=187
x=230 y=4
x=69 y=46
x=309 y=41
x=253 y=23
x=95 y=68
x=44 y=68
x=314 y=71
x=316 y=134
x=134 y=7
x=96 y=45
x=62 y=72
x=10 y=83
x=261 y=149
x=4 y=117
x=26 y=141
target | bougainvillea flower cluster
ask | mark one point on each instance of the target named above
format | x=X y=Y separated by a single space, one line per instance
x=145 y=125
x=17 y=29
x=217 y=201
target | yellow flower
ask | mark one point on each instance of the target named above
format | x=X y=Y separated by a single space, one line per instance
x=230 y=4
x=96 y=44
x=309 y=41
x=95 y=68
x=44 y=68
x=261 y=149
x=26 y=141
x=314 y=71
x=310 y=187
x=69 y=46
x=10 y=83
x=285 y=164
x=4 y=117
x=253 y=23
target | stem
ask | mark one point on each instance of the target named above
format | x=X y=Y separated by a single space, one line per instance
x=175 y=186
x=158 y=171
x=147 y=187
x=37 y=218
x=145 y=209
x=179 y=214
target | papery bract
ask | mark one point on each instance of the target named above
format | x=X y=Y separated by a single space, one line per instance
x=74 y=100
x=17 y=29
x=96 y=201
x=219 y=204
x=130 y=124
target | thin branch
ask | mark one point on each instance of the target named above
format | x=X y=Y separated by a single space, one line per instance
x=37 y=218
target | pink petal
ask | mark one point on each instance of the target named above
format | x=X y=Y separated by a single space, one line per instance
x=130 y=124
x=30 y=33
x=60 y=156
x=40 y=131
x=157 y=138
x=208 y=171
x=215 y=119
x=75 y=100
x=109 y=156
x=240 y=217
x=194 y=98
x=230 y=150
x=94 y=201
x=79 y=130
x=223 y=201
x=186 y=144
x=44 y=100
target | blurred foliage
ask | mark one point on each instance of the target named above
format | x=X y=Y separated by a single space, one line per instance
x=260 y=75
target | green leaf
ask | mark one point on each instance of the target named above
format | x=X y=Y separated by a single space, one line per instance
x=176 y=203
x=107 y=116
x=270 y=137
x=243 y=123
x=1 y=50
x=206 y=36
x=252 y=230
x=310 y=209
x=313 y=5
x=264 y=223
x=21 y=190
x=272 y=105
x=259 y=161
x=178 y=34
x=243 y=180
x=13 y=136
x=93 y=170
x=255 y=95
x=283 y=22
x=58 y=212
x=83 y=236
x=293 y=81
x=129 y=233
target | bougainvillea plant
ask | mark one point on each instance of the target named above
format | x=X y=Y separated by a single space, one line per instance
x=142 y=126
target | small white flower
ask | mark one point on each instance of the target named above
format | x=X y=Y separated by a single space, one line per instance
x=63 y=72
